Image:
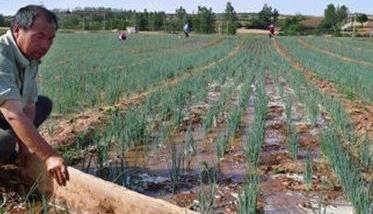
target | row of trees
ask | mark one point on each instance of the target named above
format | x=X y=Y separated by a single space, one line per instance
x=2 y=20
x=334 y=17
x=107 y=19
x=204 y=21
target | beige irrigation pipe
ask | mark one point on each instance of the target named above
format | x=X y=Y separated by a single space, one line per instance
x=88 y=194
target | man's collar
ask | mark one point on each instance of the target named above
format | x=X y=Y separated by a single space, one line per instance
x=21 y=59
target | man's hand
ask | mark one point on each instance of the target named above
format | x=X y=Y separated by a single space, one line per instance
x=27 y=133
x=57 y=167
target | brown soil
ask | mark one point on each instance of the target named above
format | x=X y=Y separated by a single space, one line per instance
x=312 y=21
x=244 y=31
x=11 y=188
x=14 y=191
x=282 y=187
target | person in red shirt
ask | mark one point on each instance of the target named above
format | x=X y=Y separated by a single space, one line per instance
x=271 y=29
x=122 y=36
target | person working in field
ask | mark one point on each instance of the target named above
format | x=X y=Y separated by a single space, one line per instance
x=31 y=35
x=271 y=29
x=122 y=36
x=187 y=30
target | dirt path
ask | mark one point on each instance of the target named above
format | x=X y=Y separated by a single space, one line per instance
x=337 y=56
x=66 y=130
x=359 y=113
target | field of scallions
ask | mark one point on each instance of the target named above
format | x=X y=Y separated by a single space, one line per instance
x=217 y=124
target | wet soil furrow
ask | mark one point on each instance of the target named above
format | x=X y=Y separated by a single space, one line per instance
x=274 y=190
x=158 y=162
x=283 y=187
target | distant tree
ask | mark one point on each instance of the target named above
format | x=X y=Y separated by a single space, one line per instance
x=362 y=18
x=69 y=22
x=333 y=18
x=329 y=20
x=266 y=14
x=341 y=13
x=2 y=20
x=265 y=17
x=140 y=20
x=171 y=25
x=204 y=20
x=230 y=19
x=182 y=17
x=134 y=19
x=156 y=21
x=293 y=25
x=275 y=15
x=144 y=20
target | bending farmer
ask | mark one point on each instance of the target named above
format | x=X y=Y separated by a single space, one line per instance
x=122 y=36
x=187 y=30
x=31 y=35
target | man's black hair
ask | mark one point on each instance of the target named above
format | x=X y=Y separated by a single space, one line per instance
x=25 y=17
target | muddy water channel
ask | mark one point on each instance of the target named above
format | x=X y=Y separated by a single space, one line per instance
x=160 y=170
x=294 y=176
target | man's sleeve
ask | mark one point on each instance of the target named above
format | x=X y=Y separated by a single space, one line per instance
x=8 y=86
x=34 y=97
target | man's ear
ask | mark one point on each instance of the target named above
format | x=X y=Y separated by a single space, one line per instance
x=16 y=31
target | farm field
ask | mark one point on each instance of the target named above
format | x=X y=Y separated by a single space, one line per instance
x=216 y=124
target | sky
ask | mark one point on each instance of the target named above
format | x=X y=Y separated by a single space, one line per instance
x=305 y=7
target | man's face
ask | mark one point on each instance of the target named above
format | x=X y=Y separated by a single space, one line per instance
x=35 y=41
